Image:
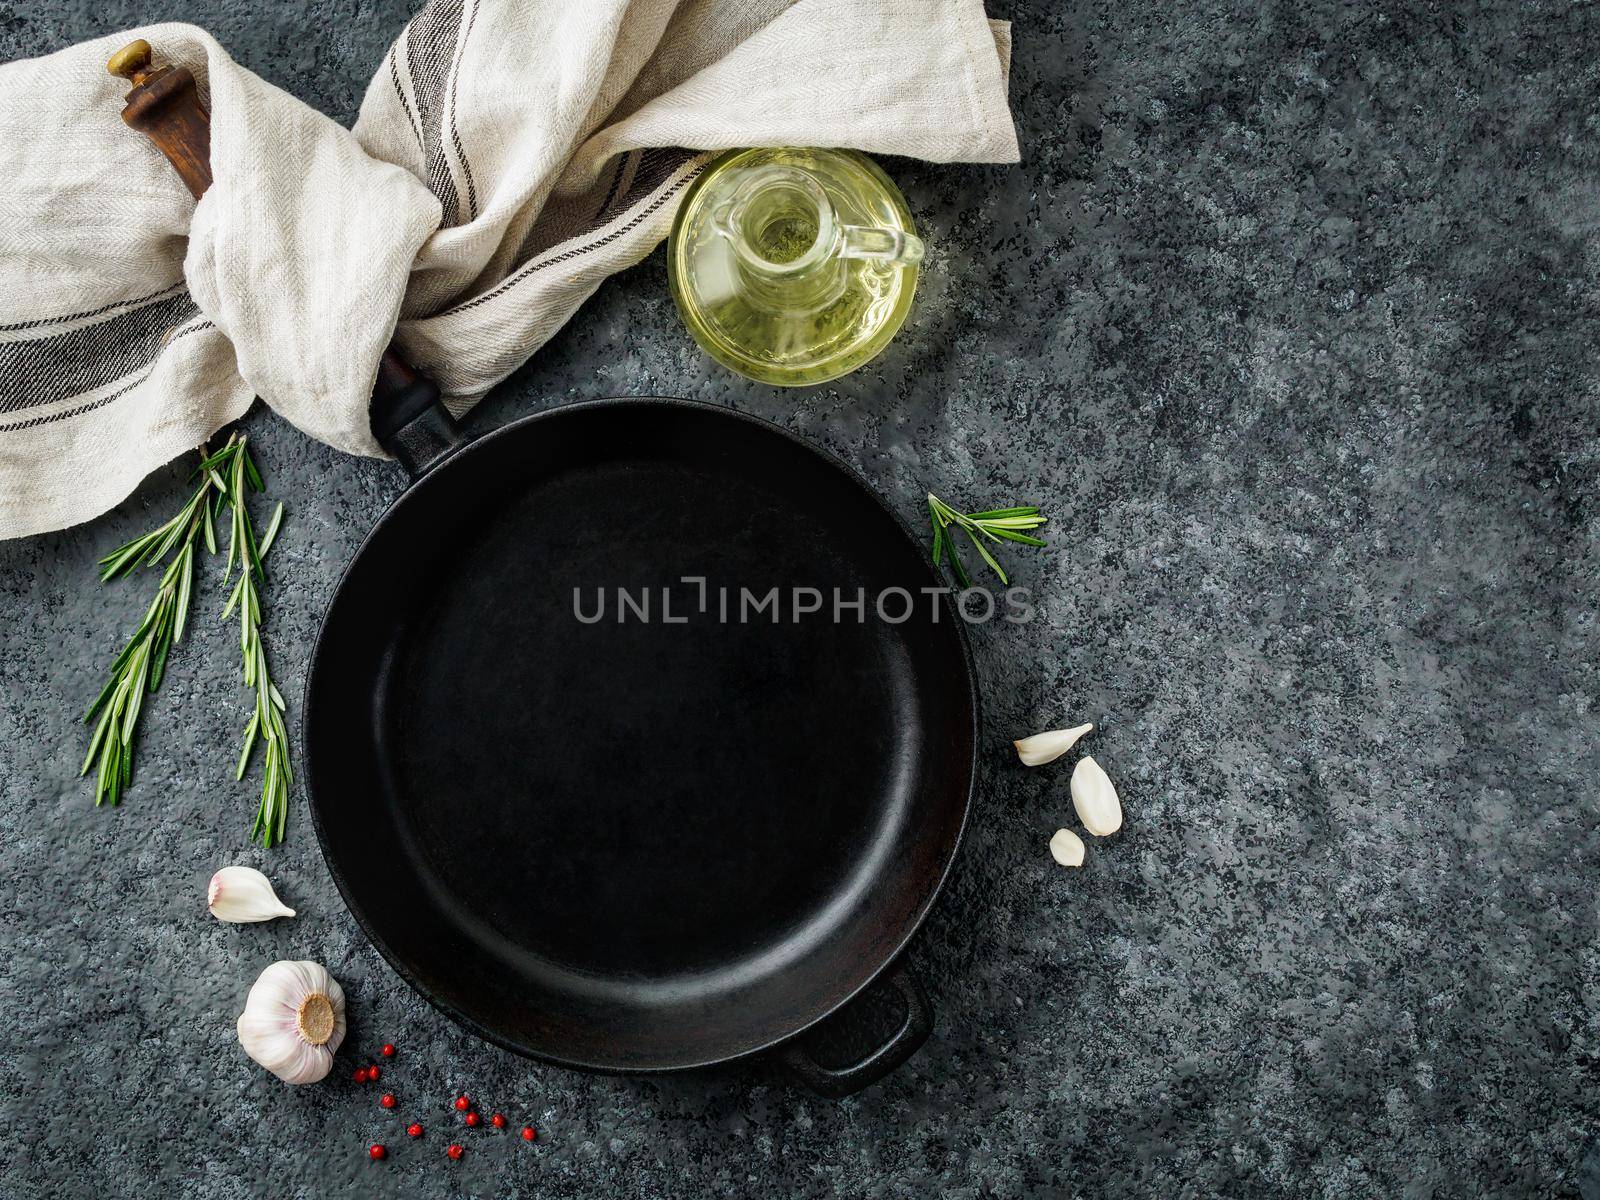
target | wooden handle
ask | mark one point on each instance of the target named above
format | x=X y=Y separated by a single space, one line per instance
x=165 y=106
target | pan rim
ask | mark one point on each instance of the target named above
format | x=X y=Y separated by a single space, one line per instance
x=417 y=489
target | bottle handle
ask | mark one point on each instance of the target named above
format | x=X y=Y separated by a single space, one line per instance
x=881 y=245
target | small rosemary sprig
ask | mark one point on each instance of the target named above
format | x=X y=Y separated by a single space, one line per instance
x=995 y=525
x=266 y=722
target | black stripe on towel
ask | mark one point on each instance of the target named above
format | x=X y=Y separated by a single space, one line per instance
x=527 y=269
x=47 y=369
x=400 y=94
x=455 y=134
x=122 y=391
x=430 y=51
x=64 y=319
x=656 y=166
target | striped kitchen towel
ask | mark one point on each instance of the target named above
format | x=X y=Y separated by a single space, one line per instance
x=508 y=157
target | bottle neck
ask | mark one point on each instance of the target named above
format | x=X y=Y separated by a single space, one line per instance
x=785 y=238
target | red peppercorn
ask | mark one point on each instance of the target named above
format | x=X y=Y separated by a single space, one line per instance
x=388 y=1049
x=376 y=1152
x=528 y=1134
x=388 y=1100
x=462 y=1104
x=453 y=1150
x=414 y=1129
x=473 y=1119
x=497 y=1121
x=361 y=1075
x=372 y=1072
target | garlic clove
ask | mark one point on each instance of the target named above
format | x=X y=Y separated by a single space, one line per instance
x=293 y=1021
x=1095 y=798
x=1067 y=848
x=1041 y=748
x=243 y=894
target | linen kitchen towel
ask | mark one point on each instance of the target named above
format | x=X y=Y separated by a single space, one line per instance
x=508 y=157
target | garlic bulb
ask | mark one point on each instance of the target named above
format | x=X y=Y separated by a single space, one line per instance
x=243 y=894
x=1095 y=798
x=1041 y=748
x=293 y=1021
x=1067 y=848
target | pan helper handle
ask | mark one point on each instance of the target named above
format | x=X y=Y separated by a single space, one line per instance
x=838 y=1082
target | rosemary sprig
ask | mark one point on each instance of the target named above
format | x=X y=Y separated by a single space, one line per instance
x=266 y=722
x=225 y=481
x=995 y=525
x=139 y=668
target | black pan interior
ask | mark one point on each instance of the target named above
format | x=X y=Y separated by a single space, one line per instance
x=637 y=845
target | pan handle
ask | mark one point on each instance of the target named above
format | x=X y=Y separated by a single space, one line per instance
x=838 y=1082
x=165 y=105
x=408 y=418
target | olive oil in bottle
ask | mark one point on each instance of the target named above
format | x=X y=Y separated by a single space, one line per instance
x=793 y=266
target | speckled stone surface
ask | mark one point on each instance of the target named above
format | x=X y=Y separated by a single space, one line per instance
x=1289 y=318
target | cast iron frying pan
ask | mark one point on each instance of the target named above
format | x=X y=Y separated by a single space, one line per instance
x=639 y=843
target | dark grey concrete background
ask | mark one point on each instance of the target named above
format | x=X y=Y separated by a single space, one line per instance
x=1289 y=318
